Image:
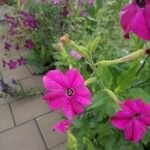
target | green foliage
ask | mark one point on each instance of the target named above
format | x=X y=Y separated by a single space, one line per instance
x=99 y=37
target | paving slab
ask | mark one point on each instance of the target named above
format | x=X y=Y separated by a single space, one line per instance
x=28 y=108
x=46 y=123
x=32 y=82
x=60 y=147
x=4 y=101
x=6 y=120
x=17 y=74
x=24 y=137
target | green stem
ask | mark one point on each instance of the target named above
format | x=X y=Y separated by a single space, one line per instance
x=96 y=74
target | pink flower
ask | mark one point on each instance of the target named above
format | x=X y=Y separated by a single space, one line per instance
x=56 y=2
x=135 y=18
x=132 y=119
x=66 y=92
x=75 y=55
x=29 y=44
x=90 y=3
x=62 y=126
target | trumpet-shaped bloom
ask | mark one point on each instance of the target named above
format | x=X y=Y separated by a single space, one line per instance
x=66 y=92
x=135 y=18
x=62 y=126
x=132 y=119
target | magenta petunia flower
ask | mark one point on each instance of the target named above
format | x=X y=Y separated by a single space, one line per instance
x=66 y=92
x=135 y=18
x=132 y=119
x=62 y=126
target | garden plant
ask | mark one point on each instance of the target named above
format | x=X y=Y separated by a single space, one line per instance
x=94 y=57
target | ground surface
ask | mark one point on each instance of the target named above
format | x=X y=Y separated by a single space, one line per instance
x=26 y=124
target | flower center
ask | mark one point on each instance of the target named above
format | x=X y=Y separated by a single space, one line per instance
x=135 y=115
x=69 y=92
x=141 y=3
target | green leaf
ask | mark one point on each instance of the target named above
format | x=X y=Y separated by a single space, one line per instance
x=110 y=109
x=139 y=93
x=71 y=141
x=146 y=138
x=126 y=78
x=98 y=99
x=90 y=145
x=105 y=75
x=93 y=44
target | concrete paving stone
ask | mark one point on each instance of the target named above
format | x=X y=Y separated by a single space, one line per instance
x=17 y=74
x=6 y=120
x=24 y=137
x=46 y=123
x=28 y=108
x=60 y=147
x=4 y=101
x=32 y=82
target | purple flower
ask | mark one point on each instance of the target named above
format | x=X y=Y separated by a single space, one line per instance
x=84 y=13
x=22 y=61
x=135 y=18
x=7 y=46
x=29 y=44
x=80 y=2
x=56 y=2
x=12 y=64
x=90 y=2
x=75 y=55
x=8 y=18
x=24 y=13
x=30 y=22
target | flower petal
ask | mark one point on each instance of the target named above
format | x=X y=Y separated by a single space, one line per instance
x=54 y=80
x=83 y=96
x=62 y=126
x=120 y=120
x=57 y=104
x=147 y=12
x=77 y=107
x=49 y=96
x=127 y=14
x=131 y=104
x=138 y=25
x=137 y=132
x=75 y=79
x=68 y=110
x=134 y=131
x=146 y=120
x=139 y=104
x=128 y=132
x=83 y=91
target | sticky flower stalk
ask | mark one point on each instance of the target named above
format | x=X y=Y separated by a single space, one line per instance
x=129 y=57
